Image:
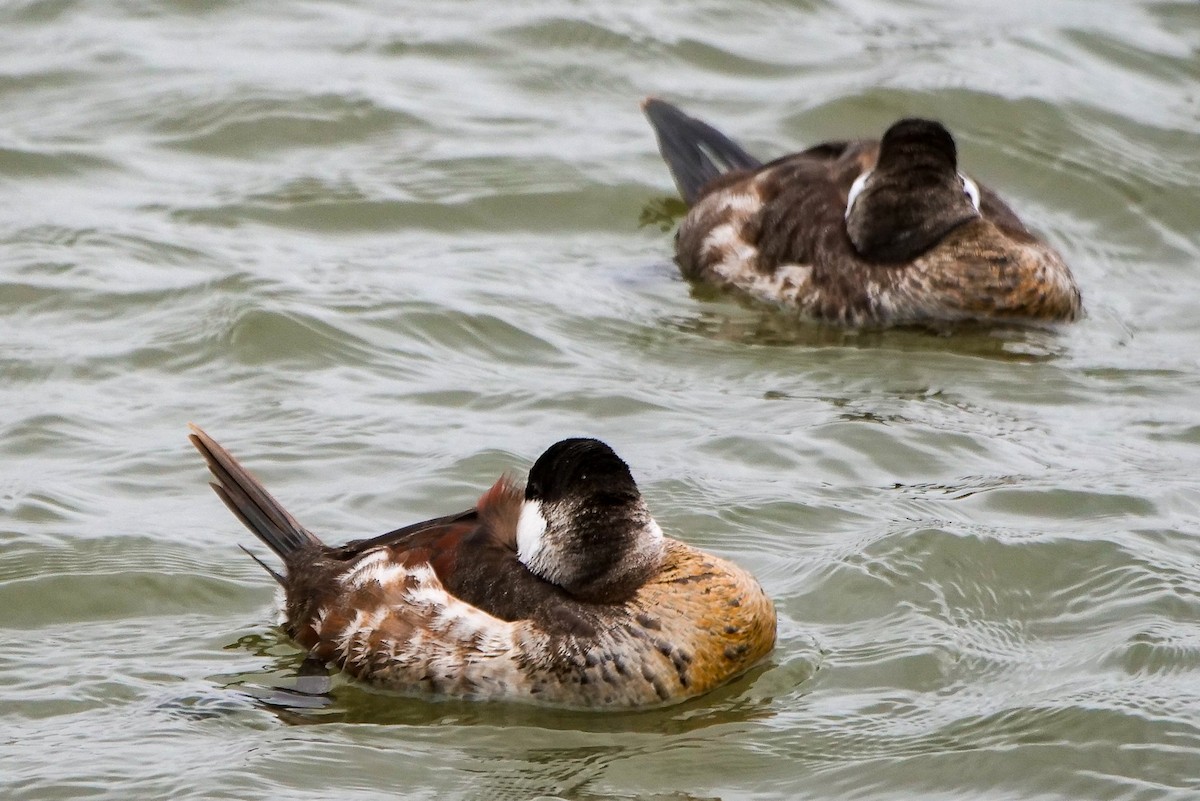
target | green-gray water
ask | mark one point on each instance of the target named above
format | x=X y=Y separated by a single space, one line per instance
x=385 y=251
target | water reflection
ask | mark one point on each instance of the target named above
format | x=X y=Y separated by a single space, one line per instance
x=725 y=318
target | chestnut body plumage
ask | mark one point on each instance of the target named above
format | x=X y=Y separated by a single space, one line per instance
x=561 y=592
x=858 y=233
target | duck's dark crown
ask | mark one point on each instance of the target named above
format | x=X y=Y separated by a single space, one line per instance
x=579 y=468
x=913 y=196
x=584 y=526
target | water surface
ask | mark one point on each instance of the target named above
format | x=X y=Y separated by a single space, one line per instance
x=386 y=251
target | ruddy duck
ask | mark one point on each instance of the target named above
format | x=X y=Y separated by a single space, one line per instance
x=564 y=591
x=858 y=233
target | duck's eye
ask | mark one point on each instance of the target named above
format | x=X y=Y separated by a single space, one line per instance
x=856 y=188
x=971 y=189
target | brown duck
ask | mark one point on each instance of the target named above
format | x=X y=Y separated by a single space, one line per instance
x=858 y=233
x=563 y=591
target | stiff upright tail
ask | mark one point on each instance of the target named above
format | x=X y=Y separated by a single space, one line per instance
x=695 y=152
x=249 y=500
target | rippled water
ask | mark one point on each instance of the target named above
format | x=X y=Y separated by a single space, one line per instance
x=385 y=251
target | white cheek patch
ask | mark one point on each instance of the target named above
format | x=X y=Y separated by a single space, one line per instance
x=972 y=190
x=654 y=533
x=856 y=188
x=531 y=530
x=649 y=548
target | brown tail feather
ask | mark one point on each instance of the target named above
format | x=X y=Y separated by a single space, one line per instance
x=252 y=504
